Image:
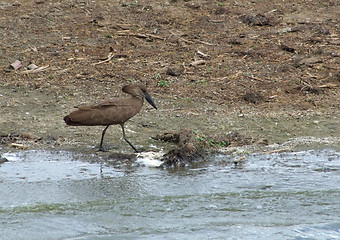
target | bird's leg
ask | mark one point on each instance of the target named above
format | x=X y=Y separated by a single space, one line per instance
x=128 y=140
x=101 y=141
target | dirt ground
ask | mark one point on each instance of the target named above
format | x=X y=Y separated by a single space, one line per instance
x=269 y=70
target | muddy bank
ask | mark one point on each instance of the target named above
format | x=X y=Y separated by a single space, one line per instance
x=28 y=125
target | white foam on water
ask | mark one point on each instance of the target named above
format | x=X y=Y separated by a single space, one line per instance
x=150 y=159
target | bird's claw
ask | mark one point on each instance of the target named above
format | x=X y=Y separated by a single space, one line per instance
x=101 y=149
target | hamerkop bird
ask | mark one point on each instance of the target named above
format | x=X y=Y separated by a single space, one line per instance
x=114 y=111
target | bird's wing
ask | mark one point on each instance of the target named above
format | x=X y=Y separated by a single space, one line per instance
x=89 y=115
x=112 y=111
x=117 y=102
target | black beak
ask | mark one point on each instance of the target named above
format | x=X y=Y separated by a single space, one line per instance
x=149 y=99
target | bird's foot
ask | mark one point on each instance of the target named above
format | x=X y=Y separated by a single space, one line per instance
x=101 y=149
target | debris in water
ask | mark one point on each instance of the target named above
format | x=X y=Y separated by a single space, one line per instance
x=187 y=150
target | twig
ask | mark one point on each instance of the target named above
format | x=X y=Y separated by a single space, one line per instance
x=109 y=57
x=138 y=35
x=63 y=70
x=196 y=63
x=257 y=78
x=191 y=42
x=40 y=69
x=306 y=85
x=17 y=145
x=154 y=36
x=76 y=59
x=184 y=40
x=328 y=85
x=204 y=55
x=217 y=21
x=205 y=43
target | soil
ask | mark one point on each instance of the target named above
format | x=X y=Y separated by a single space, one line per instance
x=266 y=70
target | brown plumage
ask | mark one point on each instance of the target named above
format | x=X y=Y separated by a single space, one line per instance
x=113 y=111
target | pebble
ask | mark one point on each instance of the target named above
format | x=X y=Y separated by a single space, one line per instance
x=32 y=66
x=16 y=65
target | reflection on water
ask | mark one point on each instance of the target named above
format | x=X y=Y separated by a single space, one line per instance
x=61 y=195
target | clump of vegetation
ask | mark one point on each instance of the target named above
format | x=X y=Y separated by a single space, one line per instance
x=221 y=140
x=209 y=141
x=193 y=146
x=203 y=82
x=132 y=80
x=219 y=4
x=163 y=83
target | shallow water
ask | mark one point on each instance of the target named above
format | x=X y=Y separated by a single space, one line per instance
x=62 y=195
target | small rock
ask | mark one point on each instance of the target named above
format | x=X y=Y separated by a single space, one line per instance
x=3 y=160
x=235 y=41
x=175 y=71
x=49 y=139
x=221 y=10
x=312 y=89
x=257 y=20
x=284 y=30
x=16 y=65
x=287 y=48
x=310 y=61
x=32 y=66
x=253 y=97
x=168 y=137
x=337 y=76
x=193 y=5
x=25 y=16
